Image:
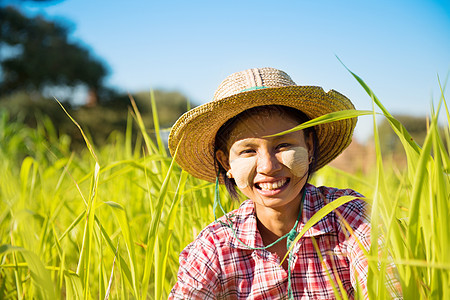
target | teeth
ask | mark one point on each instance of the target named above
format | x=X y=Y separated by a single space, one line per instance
x=272 y=185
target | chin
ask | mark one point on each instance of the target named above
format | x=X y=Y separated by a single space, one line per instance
x=275 y=202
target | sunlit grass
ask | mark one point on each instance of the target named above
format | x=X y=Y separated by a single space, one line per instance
x=110 y=222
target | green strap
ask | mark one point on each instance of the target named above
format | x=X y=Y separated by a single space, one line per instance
x=253 y=88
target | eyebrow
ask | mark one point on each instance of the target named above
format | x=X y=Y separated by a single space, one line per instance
x=245 y=143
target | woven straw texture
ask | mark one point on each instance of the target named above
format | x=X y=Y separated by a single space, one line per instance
x=194 y=132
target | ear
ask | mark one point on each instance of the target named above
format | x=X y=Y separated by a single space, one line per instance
x=223 y=159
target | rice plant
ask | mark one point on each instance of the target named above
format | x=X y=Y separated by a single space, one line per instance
x=109 y=222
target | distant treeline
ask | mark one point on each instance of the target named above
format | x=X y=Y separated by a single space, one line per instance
x=98 y=121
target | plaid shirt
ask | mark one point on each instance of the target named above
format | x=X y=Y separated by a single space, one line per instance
x=217 y=266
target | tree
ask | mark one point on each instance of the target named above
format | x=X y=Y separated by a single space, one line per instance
x=43 y=57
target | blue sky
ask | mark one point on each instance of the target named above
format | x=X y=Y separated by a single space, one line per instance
x=398 y=47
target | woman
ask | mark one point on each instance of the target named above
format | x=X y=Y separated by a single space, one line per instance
x=232 y=140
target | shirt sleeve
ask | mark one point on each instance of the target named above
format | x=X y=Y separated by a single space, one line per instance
x=198 y=275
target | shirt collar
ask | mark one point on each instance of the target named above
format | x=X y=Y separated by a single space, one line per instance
x=244 y=224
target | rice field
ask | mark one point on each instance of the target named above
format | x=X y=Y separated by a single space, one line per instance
x=109 y=222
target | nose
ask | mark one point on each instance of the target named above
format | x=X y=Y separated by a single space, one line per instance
x=267 y=163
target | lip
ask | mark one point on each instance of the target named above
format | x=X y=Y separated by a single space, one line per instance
x=274 y=192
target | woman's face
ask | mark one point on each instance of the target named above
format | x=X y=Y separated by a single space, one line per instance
x=271 y=171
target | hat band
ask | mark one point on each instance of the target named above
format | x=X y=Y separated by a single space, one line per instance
x=253 y=88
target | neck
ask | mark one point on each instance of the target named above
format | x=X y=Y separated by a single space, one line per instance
x=276 y=222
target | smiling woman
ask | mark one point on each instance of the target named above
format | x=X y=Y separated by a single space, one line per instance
x=235 y=138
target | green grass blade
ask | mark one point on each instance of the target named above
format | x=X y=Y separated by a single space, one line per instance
x=328 y=118
x=442 y=89
x=128 y=136
x=420 y=180
x=378 y=215
x=108 y=291
x=153 y=230
x=167 y=234
x=162 y=149
x=72 y=226
x=88 y=144
x=151 y=148
x=74 y=287
x=318 y=216
x=39 y=274
x=411 y=148
x=122 y=218
x=125 y=271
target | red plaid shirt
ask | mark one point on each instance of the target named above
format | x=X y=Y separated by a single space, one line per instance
x=217 y=266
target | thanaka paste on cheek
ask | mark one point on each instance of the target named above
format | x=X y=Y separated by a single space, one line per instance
x=296 y=159
x=242 y=168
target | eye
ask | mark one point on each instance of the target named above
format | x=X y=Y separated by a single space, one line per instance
x=246 y=151
x=283 y=146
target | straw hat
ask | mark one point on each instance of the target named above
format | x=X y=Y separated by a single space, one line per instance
x=194 y=132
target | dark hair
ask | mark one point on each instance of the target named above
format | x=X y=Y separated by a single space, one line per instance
x=223 y=135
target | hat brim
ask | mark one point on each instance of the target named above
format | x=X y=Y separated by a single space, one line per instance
x=194 y=132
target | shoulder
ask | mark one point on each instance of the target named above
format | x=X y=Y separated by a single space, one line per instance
x=219 y=232
x=327 y=194
x=332 y=193
x=357 y=209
